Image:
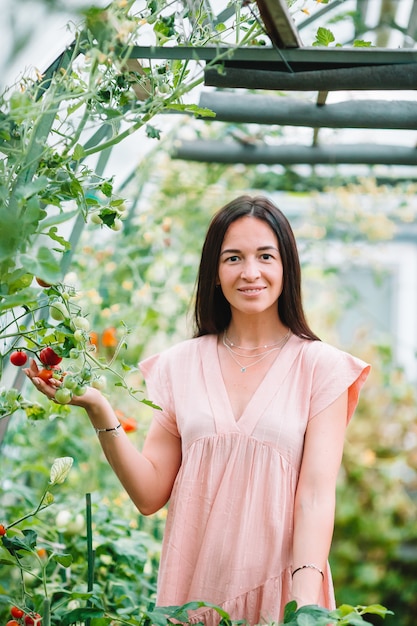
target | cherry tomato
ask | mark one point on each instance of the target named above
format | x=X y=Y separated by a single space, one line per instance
x=2 y=530
x=80 y=322
x=45 y=374
x=18 y=358
x=12 y=622
x=63 y=395
x=69 y=382
x=49 y=357
x=33 y=619
x=16 y=612
x=79 y=390
x=58 y=311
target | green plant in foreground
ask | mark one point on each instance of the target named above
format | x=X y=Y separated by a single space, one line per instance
x=344 y=615
x=65 y=577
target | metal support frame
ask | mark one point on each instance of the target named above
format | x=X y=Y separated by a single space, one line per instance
x=286 y=111
x=227 y=152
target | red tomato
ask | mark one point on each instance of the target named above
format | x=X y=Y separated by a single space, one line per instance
x=34 y=619
x=2 y=530
x=44 y=374
x=12 y=622
x=49 y=357
x=16 y=612
x=18 y=357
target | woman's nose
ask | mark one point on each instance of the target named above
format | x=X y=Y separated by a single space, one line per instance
x=250 y=270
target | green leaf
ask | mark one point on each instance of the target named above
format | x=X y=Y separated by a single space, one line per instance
x=52 y=220
x=192 y=108
x=376 y=609
x=15 y=544
x=324 y=37
x=152 y=132
x=78 y=152
x=80 y=615
x=44 y=264
x=53 y=235
x=343 y=609
x=360 y=43
x=60 y=470
x=289 y=611
x=35 y=412
x=24 y=297
x=63 y=559
x=32 y=188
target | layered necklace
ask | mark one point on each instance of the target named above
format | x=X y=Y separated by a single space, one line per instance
x=260 y=352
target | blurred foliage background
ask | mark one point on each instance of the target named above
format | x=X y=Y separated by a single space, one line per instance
x=141 y=281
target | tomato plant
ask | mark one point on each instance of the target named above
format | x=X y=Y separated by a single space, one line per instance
x=18 y=358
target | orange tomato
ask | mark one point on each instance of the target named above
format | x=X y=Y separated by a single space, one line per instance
x=109 y=338
x=94 y=339
x=129 y=424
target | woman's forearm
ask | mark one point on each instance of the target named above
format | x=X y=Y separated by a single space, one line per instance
x=135 y=472
x=313 y=531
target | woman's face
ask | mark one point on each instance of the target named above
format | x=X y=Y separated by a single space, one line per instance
x=250 y=270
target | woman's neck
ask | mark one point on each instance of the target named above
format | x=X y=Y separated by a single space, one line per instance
x=251 y=334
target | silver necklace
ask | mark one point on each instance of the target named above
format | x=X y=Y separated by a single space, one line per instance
x=243 y=368
x=271 y=345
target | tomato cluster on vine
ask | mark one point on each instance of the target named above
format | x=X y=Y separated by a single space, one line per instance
x=27 y=618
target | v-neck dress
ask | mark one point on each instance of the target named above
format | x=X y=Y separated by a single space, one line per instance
x=229 y=530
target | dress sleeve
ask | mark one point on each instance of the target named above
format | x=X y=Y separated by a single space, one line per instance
x=159 y=390
x=333 y=372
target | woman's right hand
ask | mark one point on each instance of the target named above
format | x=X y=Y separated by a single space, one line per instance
x=49 y=388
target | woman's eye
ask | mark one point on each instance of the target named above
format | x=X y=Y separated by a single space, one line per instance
x=233 y=258
x=266 y=256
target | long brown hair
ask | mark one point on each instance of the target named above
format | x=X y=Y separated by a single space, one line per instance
x=212 y=312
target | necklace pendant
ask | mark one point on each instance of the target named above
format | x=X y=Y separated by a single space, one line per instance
x=243 y=370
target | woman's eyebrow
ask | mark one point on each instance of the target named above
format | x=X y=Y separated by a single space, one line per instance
x=236 y=250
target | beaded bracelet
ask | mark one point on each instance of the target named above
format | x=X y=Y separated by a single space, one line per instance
x=310 y=566
x=113 y=430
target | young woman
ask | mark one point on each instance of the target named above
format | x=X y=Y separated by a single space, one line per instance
x=249 y=441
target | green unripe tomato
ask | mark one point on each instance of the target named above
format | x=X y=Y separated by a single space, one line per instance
x=74 y=353
x=99 y=383
x=81 y=323
x=63 y=395
x=86 y=373
x=69 y=382
x=79 y=335
x=79 y=390
x=58 y=311
x=96 y=219
x=117 y=224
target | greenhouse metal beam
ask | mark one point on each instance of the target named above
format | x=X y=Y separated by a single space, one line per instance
x=221 y=152
x=269 y=57
x=371 y=77
x=254 y=109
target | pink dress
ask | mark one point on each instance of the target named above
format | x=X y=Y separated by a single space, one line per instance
x=228 y=537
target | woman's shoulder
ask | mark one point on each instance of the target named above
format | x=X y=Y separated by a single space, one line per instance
x=179 y=353
x=317 y=353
